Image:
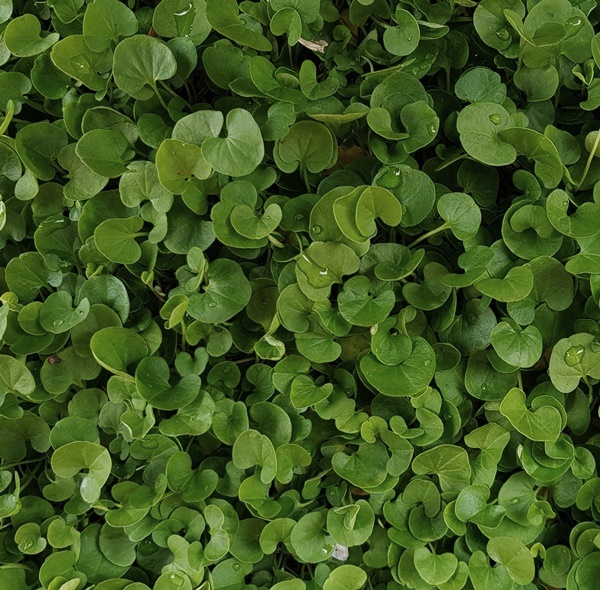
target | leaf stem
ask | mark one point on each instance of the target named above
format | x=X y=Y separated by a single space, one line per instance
x=11 y=465
x=35 y=105
x=174 y=94
x=429 y=234
x=183 y=335
x=304 y=174
x=590 y=158
x=10 y=111
x=160 y=98
x=275 y=241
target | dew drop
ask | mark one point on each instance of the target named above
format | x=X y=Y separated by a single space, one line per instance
x=514 y=501
x=332 y=492
x=236 y=566
x=495 y=119
x=212 y=305
x=574 y=22
x=503 y=34
x=57 y=324
x=182 y=13
x=298 y=216
x=432 y=129
x=574 y=355
x=483 y=387
x=427 y=363
x=565 y=204
x=316 y=229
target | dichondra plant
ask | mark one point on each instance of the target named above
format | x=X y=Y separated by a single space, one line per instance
x=299 y=295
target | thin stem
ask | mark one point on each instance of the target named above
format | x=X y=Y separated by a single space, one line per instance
x=429 y=234
x=11 y=465
x=35 y=105
x=520 y=380
x=183 y=335
x=242 y=361
x=590 y=158
x=10 y=111
x=161 y=99
x=304 y=174
x=174 y=94
x=275 y=241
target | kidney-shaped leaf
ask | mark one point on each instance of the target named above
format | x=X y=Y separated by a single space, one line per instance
x=70 y=459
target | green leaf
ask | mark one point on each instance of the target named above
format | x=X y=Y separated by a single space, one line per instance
x=70 y=459
x=180 y=18
x=139 y=63
x=38 y=146
x=223 y=16
x=308 y=144
x=412 y=375
x=227 y=293
x=74 y=57
x=519 y=348
x=241 y=151
x=152 y=382
x=105 y=22
x=449 y=463
x=544 y=423
x=515 y=557
x=116 y=349
x=346 y=577
x=402 y=39
x=479 y=126
x=105 y=152
x=24 y=36
x=115 y=238
x=178 y=163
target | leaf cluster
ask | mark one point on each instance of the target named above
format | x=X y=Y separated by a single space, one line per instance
x=299 y=295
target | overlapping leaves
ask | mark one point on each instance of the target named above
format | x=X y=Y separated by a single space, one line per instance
x=299 y=294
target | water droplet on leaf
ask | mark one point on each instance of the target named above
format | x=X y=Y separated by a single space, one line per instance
x=316 y=229
x=503 y=34
x=574 y=355
x=574 y=22
x=212 y=305
x=236 y=566
x=495 y=119
x=298 y=216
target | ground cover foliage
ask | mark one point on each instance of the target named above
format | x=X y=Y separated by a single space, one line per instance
x=299 y=294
